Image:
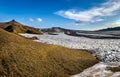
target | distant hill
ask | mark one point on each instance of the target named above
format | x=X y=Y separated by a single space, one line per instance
x=21 y=57
x=53 y=29
x=60 y=30
x=111 y=29
x=109 y=33
x=16 y=27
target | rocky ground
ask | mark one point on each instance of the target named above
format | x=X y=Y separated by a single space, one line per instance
x=106 y=50
x=98 y=70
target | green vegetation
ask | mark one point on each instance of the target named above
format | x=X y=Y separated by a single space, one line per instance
x=21 y=57
x=16 y=27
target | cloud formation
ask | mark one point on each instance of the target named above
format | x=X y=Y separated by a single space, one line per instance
x=39 y=19
x=95 y=14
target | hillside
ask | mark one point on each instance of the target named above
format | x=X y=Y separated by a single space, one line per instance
x=21 y=57
x=111 y=29
x=16 y=27
x=53 y=29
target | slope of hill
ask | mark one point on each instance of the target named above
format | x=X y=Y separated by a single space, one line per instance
x=20 y=57
x=16 y=27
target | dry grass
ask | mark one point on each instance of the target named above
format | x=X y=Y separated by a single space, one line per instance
x=16 y=27
x=20 y=57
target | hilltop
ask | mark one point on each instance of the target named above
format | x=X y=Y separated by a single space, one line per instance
x=21 y=57
x=16 y=27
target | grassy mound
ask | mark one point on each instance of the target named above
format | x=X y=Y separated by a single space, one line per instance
x=21 y=57
x=16 y=27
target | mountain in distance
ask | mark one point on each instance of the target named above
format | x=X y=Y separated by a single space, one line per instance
x=60 y=30
x=109 y=33
x=16 y=27
x=111 y=29
x=53 y=29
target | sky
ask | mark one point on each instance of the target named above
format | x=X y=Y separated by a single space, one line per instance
x=70 y=14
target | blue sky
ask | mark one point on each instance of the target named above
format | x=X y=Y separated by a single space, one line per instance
x=72 y=14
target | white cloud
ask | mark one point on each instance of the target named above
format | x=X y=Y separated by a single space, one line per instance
x=99 y=20
x=31 y=19
x=39 y=19
x=109 y=25
x=95 y=14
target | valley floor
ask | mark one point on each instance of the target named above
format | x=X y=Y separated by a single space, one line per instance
x=106 y=50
